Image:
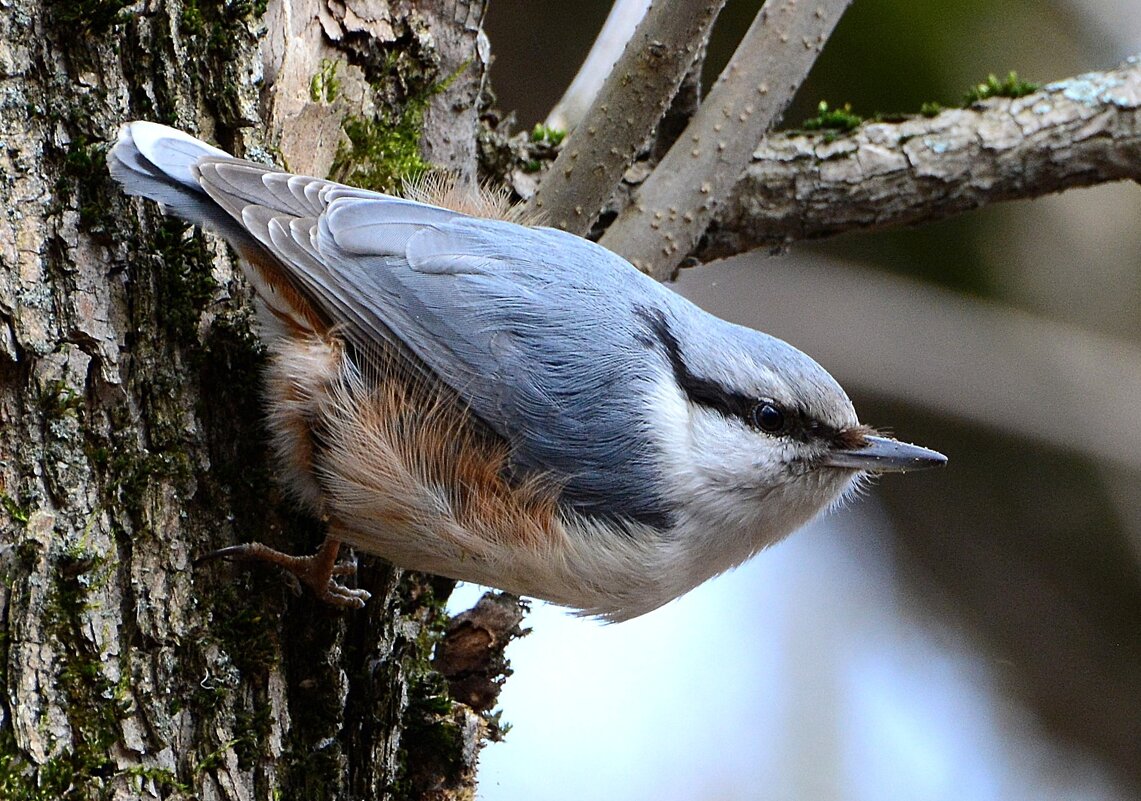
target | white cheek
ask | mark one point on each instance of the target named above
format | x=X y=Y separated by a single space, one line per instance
x=712 y=466
x=729 y=453
x=738 y=490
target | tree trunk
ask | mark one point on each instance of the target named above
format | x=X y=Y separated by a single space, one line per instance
x=131 y=439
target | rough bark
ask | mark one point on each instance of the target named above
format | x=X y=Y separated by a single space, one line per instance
x=130 y=433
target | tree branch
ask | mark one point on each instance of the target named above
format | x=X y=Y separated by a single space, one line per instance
x=617 y=30
x=675 y=205
x=1076 y=132
x=632 y=101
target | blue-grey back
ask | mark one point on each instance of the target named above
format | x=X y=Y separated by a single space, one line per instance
x=538 y=331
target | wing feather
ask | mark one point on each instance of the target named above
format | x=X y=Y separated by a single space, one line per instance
x=532 y=326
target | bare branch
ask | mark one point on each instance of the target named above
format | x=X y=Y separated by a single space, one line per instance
x=678 y=200
x=625 y=112
x=1077 y=132
x=618 y=29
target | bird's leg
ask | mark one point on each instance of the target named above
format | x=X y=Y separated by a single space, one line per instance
x=317 y=571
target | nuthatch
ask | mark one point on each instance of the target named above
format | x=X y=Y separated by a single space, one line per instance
x=509 y=405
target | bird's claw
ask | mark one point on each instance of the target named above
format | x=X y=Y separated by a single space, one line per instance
x=317 y=571
x=340 y=595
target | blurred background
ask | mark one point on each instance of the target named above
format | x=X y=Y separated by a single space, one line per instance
x=970 y=633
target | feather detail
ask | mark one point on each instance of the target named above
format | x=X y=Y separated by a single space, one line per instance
x=401 y=467
x=284 y=310
x=443 y=189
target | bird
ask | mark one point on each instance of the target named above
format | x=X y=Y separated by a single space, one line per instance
x=505 y=403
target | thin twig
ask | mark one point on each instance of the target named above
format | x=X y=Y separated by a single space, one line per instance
x=633 y=99
x=676 y=203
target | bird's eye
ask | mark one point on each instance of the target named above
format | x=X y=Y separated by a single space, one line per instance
x=768 y=417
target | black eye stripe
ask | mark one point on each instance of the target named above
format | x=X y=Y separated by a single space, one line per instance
x=794 y=423
x=699 y=390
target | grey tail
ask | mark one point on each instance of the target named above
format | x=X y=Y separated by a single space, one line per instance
x=160 y=163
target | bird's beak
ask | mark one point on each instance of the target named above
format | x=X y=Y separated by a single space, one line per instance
x=884 y=455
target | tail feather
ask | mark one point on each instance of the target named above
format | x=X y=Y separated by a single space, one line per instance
x=165 y=165
x=171 y=151
x=156 y=162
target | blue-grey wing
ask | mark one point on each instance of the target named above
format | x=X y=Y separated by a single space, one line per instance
x=536 y=329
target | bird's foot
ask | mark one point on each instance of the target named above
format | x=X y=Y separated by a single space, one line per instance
x=317 y=571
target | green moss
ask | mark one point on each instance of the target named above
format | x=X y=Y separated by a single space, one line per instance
x=255 y=9
x=191 y=18
x=839 y=120
x=1010 y=86
x=214 y=759
x=253 y=727
x=94 y=705
x=185 y=283
x=58 y=399
x=438 y=742
x=836 y=121
x=497 y=727
x=545 y=133
x=930 y=109
x=251 y=724
x=218 y=30
x=84 y=178
x=211 y=17
x=234 y=703
x=246 y=631
x=431 y=744
x=132 y=472
x=244 y=636
x=128 y=471
x=20 y=780
x=157 y=777
x=383 y=151
x=325 y=85
x=15 y=510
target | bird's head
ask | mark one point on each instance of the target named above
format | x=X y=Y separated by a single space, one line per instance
x=759 y=437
